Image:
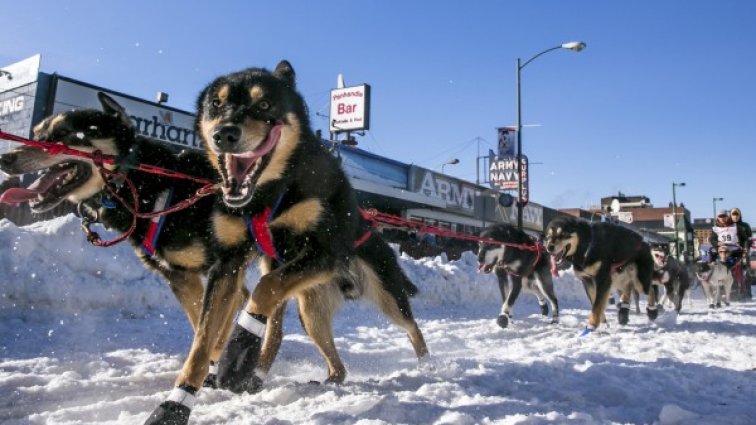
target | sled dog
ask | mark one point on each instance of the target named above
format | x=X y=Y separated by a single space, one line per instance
x=512 y=265
x=604 y=255
x=290 y=207
x=672 y=274
x=177 y=246
x=716 y=280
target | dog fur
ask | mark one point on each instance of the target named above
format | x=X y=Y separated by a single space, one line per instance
x=603 y=255
x=512 y=265
x=670 y=273
x=256 y=131
x=184 y=251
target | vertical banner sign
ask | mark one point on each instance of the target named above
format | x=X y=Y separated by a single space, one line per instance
x=350 y=109
x=503 y=175
x=507 y=137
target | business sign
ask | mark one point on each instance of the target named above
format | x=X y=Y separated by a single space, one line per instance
x=624 y=216
x=19 y=74
x=532 y=216
x=507 y=139
x=150 y=120
x=504 y=175
x=456 y=194
x=350 y=109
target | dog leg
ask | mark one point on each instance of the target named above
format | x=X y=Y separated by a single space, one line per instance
x=602 y=290
x=623 y=316
x=546 y=286
x=708 y=293
x=728 y=290
x=510 y=287
x=271 y=342
x=224 y=283
x=238 y=371
x=316 y=308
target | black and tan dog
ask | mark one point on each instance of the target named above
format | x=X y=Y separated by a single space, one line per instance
x=291 y=206
x=670 y=273
x=604 y=255
x=512 y=265
x=178 y=246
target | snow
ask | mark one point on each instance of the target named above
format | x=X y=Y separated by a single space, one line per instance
x=88 y=336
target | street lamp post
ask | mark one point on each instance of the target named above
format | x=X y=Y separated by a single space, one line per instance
x=449 y=162
x=674 y=218
x=575 y=46
x=714 y=202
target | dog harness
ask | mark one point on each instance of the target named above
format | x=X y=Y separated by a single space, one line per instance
x=258 y=227
x=149 y=243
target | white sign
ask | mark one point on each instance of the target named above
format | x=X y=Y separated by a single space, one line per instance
x=531 y=214
x=9 y=106
x=624 y=216
x=156 y=122
x=20 y=73
x=350 y=109
x=668 y=222
x=452 y=192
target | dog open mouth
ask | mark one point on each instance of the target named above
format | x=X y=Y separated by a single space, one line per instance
x=559 y=256
x=241 y=172
x=51 y=188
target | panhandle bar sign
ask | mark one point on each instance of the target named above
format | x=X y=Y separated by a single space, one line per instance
x=504 y=175
x=350 y=109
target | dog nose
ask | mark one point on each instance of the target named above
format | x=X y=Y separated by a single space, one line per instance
x=7 y=159
x=550 y=247
x=227 y=136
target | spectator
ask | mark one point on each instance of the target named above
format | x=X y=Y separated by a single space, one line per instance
x=744 y=230
x=744 y=237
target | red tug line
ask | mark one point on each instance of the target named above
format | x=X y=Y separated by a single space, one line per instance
x=209 y=188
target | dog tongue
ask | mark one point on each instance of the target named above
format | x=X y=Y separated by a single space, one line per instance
x=17 y=195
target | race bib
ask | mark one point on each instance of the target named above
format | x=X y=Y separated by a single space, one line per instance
x=727 y=235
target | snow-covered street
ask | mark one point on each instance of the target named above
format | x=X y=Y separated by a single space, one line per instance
x=87 y=336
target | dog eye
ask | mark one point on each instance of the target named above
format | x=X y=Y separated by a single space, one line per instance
x=216 y=102
x=263 y=104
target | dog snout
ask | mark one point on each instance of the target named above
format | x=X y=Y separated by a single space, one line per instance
x=227 y=136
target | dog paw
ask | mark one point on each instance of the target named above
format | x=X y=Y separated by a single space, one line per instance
x=169 y=413
x=623 y=317
x=711 y=306
x=237 y=368
x=211 y=381
x=652 y=313
x=502 y=321
x=544 y=310
x=554 y=321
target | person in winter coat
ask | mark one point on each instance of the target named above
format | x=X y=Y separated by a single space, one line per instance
x=744 y=237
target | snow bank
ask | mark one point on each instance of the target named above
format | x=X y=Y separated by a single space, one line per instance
x=50 y=265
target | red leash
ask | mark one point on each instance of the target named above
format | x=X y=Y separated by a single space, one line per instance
x=209 y=187
x=100 y=159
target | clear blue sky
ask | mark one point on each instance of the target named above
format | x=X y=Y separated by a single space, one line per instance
x=665 y=91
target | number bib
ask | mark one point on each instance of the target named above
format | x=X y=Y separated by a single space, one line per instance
x=727 y=235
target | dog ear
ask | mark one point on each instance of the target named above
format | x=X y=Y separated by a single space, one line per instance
x=111 y=107
x=285 y=72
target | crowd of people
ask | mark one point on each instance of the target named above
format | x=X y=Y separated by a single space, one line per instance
x=731 y=237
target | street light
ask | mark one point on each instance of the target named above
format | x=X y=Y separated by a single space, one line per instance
x=714 y=201
x=674 y=218
x=449 y=162
x=575 y=46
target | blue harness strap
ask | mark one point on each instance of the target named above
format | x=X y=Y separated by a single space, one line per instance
x=149 y=243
